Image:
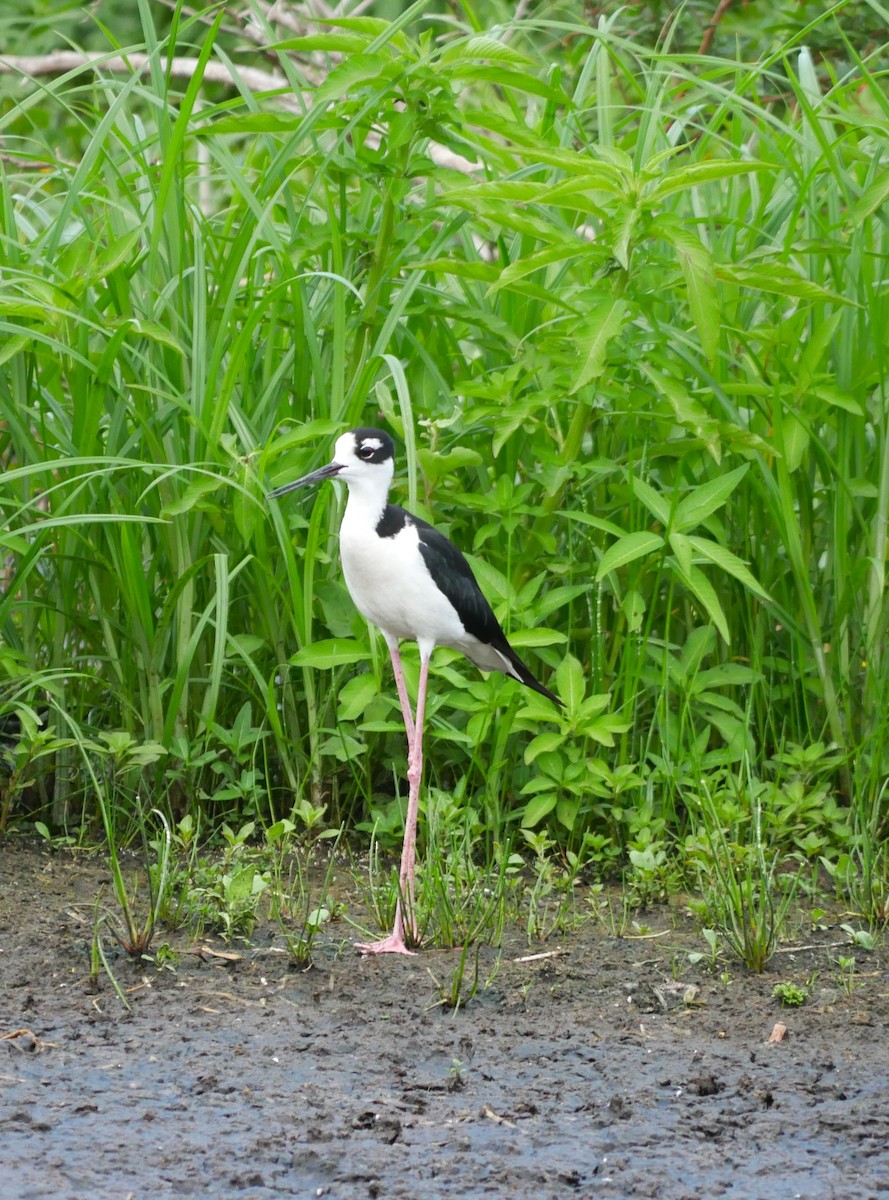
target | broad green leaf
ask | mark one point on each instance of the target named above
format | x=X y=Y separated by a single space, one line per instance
x=622 y=229
x=361 y=68
x=701 y=587
x=602 y=324
x=796 y=442
x=699 y=643
x=689 y=412
x=728 y=675
x=681 y=547
x=627 y=549
x=567 y=810
x=598 y=177
x=515 y=191
x=522 y=81
x=604 y=728
x=482 y=271
x=570 y=682
x=117 y=252
x=11 y=346
x=543 y=743
x=699 y=274
x=279 y=830
x=594 y=522
x=537 y=637
x=375 y=27
x=633 y=607
x=779 y=278
x=538 y=808
x=329 y=653
x=694 y=174
x=656 y=503
x=542 y=258
x=249 y=123
x=434 y=464
x=836 y=397
x=329 y=43
x=872 y=198
x=482 y=46
x=705 y=500
x=239 y=887
x=728 y=562
x=355 y=695
x=194 y=495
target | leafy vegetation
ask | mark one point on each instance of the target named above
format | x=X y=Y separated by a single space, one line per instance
x=621 y=296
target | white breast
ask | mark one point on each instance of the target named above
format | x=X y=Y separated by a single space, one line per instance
x=391 y=585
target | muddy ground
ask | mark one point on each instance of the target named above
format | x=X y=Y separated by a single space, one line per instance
x=593 y=1073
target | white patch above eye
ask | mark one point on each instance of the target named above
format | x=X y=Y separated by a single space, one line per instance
x=371 y=443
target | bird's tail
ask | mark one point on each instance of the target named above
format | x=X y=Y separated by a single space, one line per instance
x=519 y=671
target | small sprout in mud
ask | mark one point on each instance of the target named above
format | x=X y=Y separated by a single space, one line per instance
x=846 y=965
x=710 y=957
x=456 y=1076
x=791 y=995
x=862 y=938
x=164 y=958
x=816 y=916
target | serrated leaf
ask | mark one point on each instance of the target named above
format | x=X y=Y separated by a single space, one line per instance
x=779 y=278
x=696 y=265
x=694 y=174
x=603 y=323
x=627 y=549
x=482 y=46
x=542 y=258
x=728 y=562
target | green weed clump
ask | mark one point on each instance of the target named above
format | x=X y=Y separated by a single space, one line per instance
x=622 y=300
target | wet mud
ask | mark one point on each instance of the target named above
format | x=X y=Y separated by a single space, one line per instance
x=611 y=1069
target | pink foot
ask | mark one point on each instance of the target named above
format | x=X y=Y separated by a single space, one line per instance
x=393 y=944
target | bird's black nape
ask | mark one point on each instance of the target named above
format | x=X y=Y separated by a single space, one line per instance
x=373 y=445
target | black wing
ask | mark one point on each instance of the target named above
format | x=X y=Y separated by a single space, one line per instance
x=453 y=575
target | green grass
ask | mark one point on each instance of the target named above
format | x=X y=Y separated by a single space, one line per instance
x=636 y=357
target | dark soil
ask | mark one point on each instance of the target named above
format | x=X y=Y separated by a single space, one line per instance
x=592 y=1073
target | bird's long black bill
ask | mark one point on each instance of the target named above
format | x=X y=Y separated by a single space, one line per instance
x=329 y=472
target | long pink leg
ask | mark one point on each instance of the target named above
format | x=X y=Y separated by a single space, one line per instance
x=402 y=692
x=394 y=943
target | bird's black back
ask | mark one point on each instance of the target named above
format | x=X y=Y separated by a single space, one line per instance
x=453 y=576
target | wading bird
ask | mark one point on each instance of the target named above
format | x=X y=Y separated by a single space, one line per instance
x=411 y=582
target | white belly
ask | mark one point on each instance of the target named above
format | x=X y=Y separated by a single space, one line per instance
x=391 y=586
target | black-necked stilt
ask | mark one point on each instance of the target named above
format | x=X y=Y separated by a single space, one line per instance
x=411 y=582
